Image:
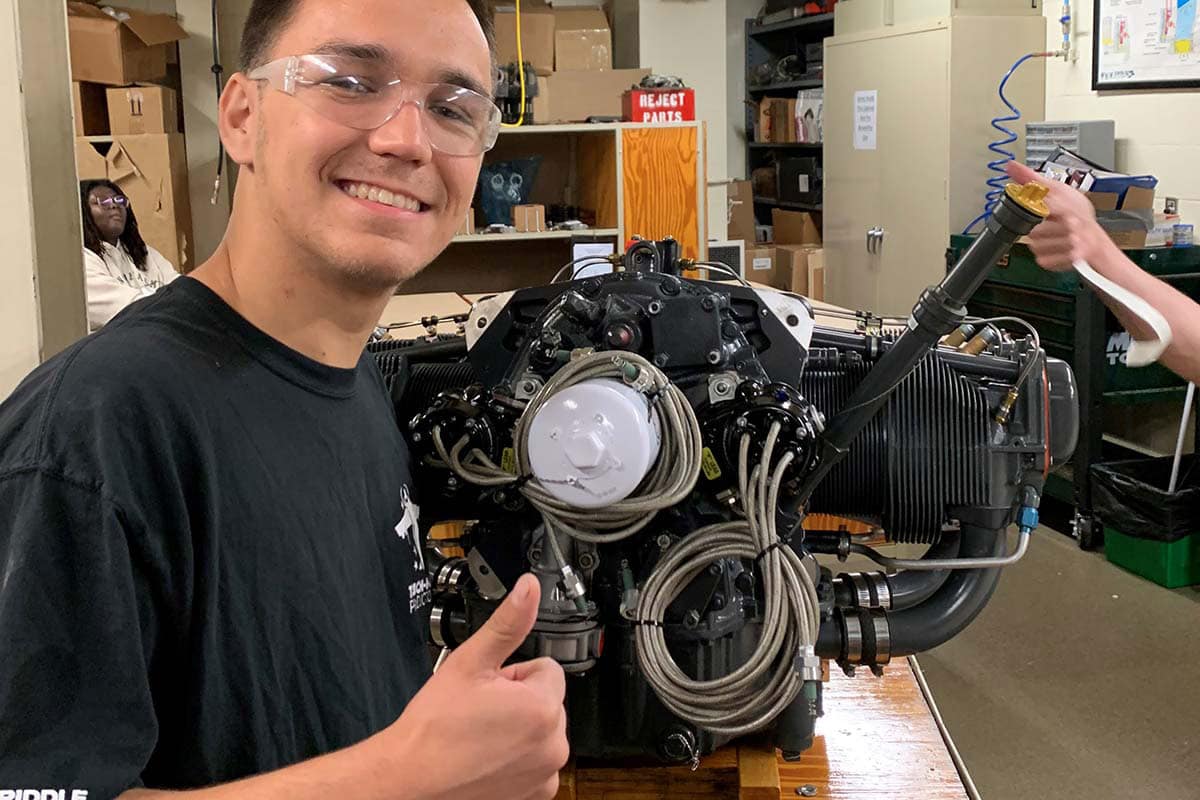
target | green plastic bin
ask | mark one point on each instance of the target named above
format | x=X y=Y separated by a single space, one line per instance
x=1169 y=564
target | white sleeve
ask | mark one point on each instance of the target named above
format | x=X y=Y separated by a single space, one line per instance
x=162 y=268
x=106 y=296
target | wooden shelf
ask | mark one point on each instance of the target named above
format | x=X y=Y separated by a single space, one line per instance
x=771 y=201
x=592 y=127
x=487 y=238
x=810 y=21
x=804 y=83
x=787 y=145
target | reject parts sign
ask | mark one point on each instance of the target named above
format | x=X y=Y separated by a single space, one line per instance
x=660 y=105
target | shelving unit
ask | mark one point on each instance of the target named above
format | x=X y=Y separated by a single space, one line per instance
x=488 y=238
x=795 y=24
x=638 y=179
x=787 y=86
x=786 y=145
x=767 y=44
x=771 y=201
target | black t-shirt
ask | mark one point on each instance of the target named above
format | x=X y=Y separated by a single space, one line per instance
x=209 y=560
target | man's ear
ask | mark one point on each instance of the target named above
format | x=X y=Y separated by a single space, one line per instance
x=238 y=118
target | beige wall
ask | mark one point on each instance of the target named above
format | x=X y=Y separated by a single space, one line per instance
x=200 y=115
x=1156 y=131
x=736 y=14
x=41 y=283
x=19 y=336
x=687 y=38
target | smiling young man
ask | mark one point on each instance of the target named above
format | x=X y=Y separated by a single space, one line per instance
x=210 y=578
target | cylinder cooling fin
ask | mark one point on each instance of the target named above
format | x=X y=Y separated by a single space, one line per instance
x=926 y=452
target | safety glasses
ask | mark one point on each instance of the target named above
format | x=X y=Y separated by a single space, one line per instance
x=117 y=200
x=365 y=94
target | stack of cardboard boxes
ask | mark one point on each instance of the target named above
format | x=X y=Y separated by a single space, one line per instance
x=785 y=120
x=570 y=49
x=793 y=260
x=127 y=127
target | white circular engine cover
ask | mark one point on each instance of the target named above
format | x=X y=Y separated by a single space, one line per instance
x=593 y=443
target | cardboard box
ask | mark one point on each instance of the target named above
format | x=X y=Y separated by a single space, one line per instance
x=762 y=126
x=529 y=218
x=117 y=51
x=790 y=116
x=1127 y=219
x=660 y=105
x=741 y=212
x=805 y=268
x=763 y=266
x=575 y=95
x=143 y=108
x=541 y=101
x=537 y=38
x=582 y=39
x=795 y=227
x=467 y=227
x=151 y=170
x=91 y=109
x=780 y=125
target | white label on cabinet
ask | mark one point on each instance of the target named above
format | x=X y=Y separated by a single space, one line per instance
x=761 y=263
x=802 y=182
x=865 y=117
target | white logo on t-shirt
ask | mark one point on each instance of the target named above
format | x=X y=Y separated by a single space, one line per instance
x=407 y=529
x=420 y=591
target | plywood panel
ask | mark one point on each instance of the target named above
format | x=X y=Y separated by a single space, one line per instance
x=597 y=170
x=878 y=739
x=660 y=175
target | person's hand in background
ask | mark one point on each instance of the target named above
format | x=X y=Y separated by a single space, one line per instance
x=1071 y=232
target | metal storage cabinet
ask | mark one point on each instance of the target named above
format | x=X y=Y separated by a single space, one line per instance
x=936 y=77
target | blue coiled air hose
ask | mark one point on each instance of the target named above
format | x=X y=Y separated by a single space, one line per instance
x=997 y=182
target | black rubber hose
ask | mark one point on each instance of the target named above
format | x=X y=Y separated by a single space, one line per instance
x=956 y=604
x=913 y=587
x=945 y=614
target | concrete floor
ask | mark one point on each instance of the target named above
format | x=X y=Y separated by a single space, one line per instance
x=1079 y=680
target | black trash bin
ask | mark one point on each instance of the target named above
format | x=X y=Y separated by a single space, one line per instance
x=1148 y=530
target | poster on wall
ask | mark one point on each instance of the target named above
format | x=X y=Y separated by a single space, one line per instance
x=1146 y=44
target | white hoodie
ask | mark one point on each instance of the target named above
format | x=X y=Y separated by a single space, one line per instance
x=114 y=281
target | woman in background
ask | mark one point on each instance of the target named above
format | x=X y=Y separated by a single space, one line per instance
x=120 y=267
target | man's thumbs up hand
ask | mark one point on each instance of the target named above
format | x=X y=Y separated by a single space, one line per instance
x=480 y=729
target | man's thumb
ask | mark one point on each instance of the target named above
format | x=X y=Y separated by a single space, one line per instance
x=505 y=630
x=1023 y=174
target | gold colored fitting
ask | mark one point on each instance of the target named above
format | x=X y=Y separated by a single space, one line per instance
x=1006 y=405
x=1030 y=196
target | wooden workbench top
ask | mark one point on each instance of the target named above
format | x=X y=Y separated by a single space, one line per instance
x=878 y=739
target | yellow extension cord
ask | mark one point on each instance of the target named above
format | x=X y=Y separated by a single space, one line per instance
x=520 y=68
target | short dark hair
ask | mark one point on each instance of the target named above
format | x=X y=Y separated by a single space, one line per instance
x=131 y=237
x=268 y=17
